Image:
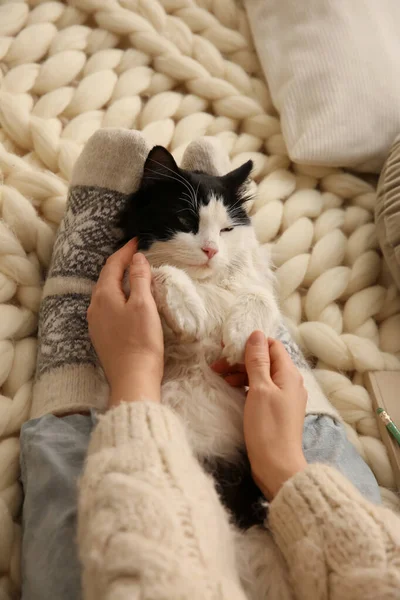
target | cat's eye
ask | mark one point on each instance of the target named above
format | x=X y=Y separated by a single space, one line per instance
x=183 y=221
x=226 y=229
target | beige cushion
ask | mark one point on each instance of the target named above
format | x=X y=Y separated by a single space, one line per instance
x=333 y=69
x=387 y=211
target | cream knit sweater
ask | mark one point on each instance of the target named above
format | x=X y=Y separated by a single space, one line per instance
x=151 y=526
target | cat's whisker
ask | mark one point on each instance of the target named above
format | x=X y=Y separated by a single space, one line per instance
x=177 y=176
x=236 y=204
x=190 y=208
x=189 y=200
x=173 y=178
x=197 y=197
x=182 y=181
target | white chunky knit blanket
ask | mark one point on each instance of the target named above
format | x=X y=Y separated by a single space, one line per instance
x=176 y=69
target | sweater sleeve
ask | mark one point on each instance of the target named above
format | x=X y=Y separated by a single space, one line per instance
x=337 y=544
x=150 y=523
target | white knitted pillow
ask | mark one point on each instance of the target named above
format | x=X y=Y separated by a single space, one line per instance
x=333 y=68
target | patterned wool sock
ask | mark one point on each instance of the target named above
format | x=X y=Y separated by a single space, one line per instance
x=68 y=376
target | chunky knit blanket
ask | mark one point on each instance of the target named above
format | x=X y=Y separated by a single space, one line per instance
x=176 y=69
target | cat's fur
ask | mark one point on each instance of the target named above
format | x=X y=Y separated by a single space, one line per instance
x=204 y=304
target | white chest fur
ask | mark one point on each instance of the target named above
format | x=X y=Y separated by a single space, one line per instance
x=198 y=318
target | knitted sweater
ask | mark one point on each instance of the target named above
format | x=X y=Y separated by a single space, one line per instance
x=151 y=525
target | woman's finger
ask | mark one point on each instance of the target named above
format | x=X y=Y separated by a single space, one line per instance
x=222 y=367
x=113 y=271
x=281 y=364
x=139 y=277
x=257 y=359
x=237 y=380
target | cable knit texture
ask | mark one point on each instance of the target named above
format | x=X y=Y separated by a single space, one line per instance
x=337 y=545
x=176 y=70
x=150 y=522
x=151 y=525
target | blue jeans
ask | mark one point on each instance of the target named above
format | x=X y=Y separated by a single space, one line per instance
x=53 y=452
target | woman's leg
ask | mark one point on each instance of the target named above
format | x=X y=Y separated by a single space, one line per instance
x=53 y=451
x=325 y=440
x=68 y=377
x=324 y=437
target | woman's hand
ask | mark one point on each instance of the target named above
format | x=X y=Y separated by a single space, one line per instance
x=274 y=411
x=127 y=333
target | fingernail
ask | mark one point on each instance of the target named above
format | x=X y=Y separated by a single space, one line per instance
x=138 y=258
x=257 y=338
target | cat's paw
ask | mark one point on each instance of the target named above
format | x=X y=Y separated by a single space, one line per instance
x=234 y=339
x=178 y=302
x=251 y=312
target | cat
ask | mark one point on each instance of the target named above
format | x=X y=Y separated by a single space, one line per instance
x=213 y=286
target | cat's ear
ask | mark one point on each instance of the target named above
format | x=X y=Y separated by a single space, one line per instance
x=236 y=178
x=159 y=164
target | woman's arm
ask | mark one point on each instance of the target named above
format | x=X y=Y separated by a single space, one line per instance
x=337 y=545
x=150 y=524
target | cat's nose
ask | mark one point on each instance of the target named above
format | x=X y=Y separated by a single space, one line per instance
x=210 y=252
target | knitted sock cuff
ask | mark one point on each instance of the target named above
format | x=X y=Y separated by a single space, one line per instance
x=208 y=155
x=112 y=159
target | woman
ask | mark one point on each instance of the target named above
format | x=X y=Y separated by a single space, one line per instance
x=150 y=522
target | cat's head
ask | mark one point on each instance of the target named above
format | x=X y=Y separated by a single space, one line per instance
x=188 y=219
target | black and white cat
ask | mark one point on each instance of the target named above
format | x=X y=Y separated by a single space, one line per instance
x=213 y=286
